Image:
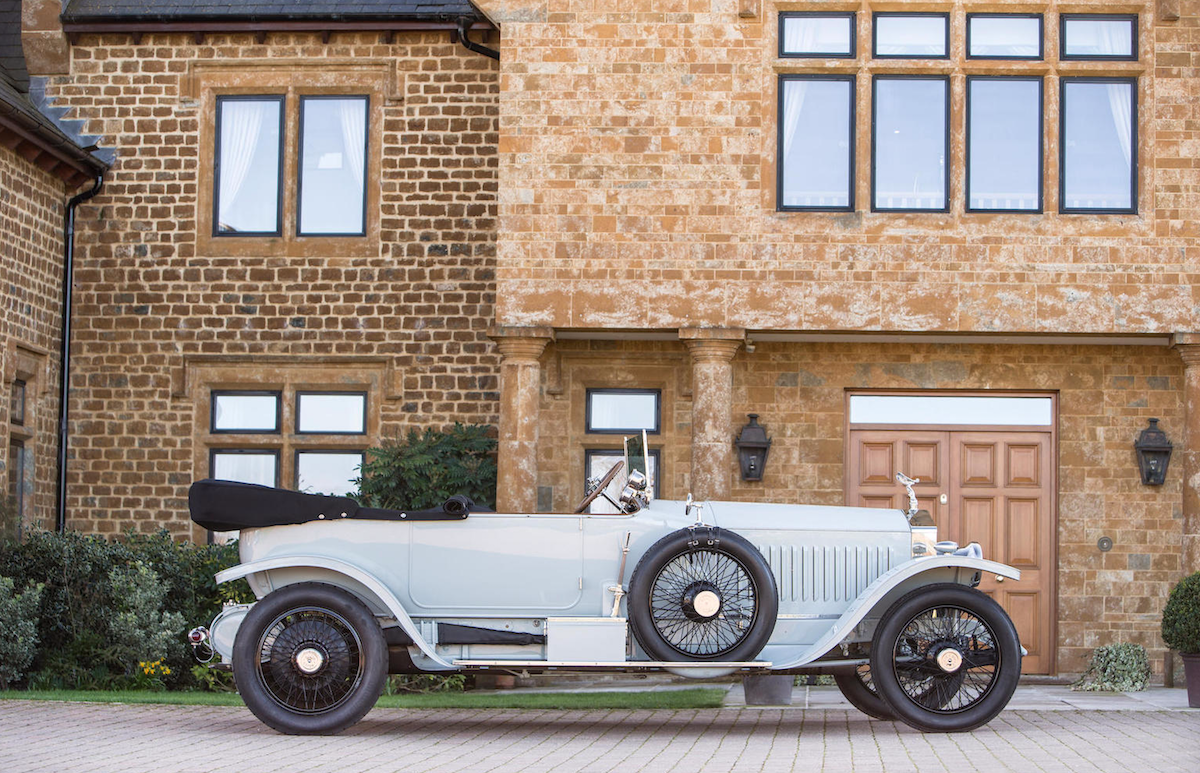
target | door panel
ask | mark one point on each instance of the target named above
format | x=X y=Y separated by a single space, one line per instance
x=999 y=491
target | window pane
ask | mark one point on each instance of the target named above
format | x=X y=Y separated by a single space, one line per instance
x=1098 y=153
x=1005 y=36
x=600 y=462
x=816 y=35
x=936 y=409
x=1085 y=38
x=16 y=410
x=622 y=411
x=910 y=143
x=245 y=466
x=233 y=412
x=340 y=414
x=816 y=135
x=333 y=152
x=248 y=170
x=319 y=472
x=1004 y=143
x=910 y=35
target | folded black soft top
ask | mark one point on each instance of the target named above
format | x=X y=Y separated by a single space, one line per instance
x=222 y=505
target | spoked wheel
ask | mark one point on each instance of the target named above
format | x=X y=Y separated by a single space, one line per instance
x=702 y=594
x=310 y=658
x=946 y=658
x=858 y=688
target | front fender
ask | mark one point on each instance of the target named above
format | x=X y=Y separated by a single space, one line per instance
x=893 y=583
x=257 y=573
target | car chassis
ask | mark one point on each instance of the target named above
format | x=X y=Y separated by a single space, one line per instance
x=349 y=594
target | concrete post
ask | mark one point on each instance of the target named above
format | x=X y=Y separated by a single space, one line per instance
x=520 y=394
x=1188 y=346
x=712 y=351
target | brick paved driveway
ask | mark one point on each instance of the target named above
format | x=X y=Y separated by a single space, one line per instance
x=63 y=738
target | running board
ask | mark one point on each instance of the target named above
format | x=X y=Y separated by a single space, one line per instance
x=630 y=665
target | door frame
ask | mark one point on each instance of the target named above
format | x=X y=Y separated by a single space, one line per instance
x=1053 y=394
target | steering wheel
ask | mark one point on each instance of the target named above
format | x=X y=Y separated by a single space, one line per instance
x=607 y=479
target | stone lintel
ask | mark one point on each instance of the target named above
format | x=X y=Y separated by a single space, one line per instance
x=712 y=334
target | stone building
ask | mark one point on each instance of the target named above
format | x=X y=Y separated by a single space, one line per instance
x=951 y=239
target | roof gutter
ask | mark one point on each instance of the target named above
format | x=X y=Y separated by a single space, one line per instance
x=464 y=26
x=65 y=361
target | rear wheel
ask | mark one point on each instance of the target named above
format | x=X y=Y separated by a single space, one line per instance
x=310 y=659
x=702 y=594
x=946 y=658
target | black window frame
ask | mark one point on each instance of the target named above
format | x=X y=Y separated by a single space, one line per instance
x=324 y=392
x=1041 y=20
x=213 y=394
x=587 y=415
x=362 y=452
x=216 y=191
x=213 y=452
x=851 y=15
x=300 y=165
x=875 y=79
x=1062 y=145
x=779 y=159
x=1041 y=182
x=875 y=15
x=1065 y=18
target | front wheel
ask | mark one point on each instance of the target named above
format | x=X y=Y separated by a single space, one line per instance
x=946 y=658
x=310 y=659
x=858 y=688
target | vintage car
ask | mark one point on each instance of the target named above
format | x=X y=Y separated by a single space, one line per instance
x=348 y=594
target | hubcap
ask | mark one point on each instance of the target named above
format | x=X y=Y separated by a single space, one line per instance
x=309 y=660
x=949 y=660
x=707 y=603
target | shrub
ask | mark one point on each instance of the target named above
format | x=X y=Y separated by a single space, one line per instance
x=18 y=634
x=79 y=606
x=425 y=468
x=140 y=632
x=1116 y=668
x=1181 y=616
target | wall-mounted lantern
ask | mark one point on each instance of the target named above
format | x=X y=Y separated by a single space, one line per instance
x=1153 y=454
x=753 y=445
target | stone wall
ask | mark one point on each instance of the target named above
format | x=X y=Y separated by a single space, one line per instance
x=31 y=227
x=160 y=302
x=638 y=150
x=1105 y=396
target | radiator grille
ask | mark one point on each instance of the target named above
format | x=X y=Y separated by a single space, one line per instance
x=809 y=573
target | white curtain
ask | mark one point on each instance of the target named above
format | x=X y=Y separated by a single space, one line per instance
x=245 y=468
x=1115 y=39
x=241 y=124
x=797 y=37
x=354 y=134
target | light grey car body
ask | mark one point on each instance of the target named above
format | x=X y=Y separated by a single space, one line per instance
x=837 y=571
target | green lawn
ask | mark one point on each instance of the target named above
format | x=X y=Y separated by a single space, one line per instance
x=694 y=698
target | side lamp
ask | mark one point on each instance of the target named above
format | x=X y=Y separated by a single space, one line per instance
x=753 y=445
x=1153 y=454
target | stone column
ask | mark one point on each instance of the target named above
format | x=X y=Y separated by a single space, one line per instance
x=1188 y=456
x=520 y=394
x=712 y=351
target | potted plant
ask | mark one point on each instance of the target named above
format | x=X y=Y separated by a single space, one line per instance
x=1181 y=631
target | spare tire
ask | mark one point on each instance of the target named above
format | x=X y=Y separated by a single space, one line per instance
x=702 y=594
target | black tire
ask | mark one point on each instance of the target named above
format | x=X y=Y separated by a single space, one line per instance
x=858 y=688
x=326 y=629
x=702 y=594
x=957 y=623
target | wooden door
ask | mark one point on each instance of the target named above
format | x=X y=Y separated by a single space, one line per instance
x=990 y=487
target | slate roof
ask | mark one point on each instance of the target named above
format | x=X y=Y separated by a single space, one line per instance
x=80 y=11
x=12 y=59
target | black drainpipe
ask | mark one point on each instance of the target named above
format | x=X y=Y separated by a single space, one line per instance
x=464 y=26
x=65 y=374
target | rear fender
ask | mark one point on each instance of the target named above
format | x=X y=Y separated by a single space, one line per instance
x=890 y=586
x=273 y=573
